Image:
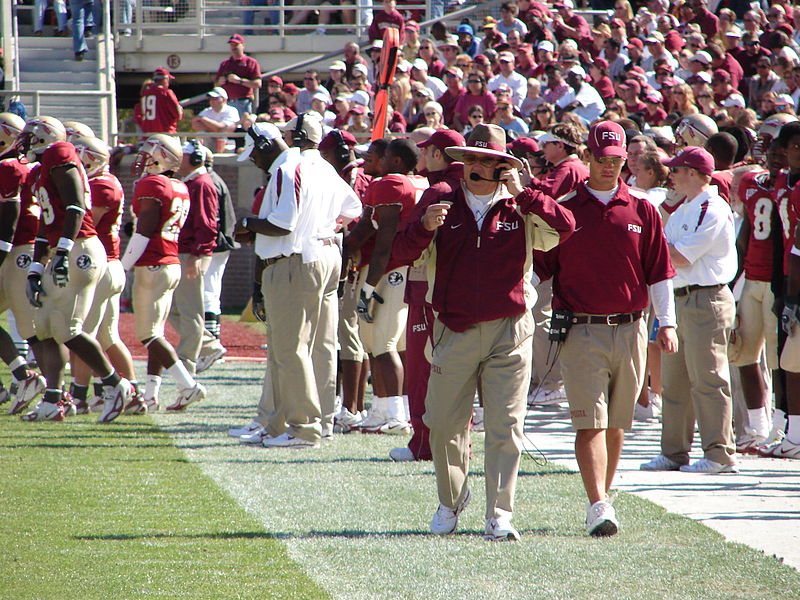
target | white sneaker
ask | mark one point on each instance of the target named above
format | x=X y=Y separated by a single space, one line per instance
x=285 y=440
x=45 y=411
x=96 y=404
x=540 y=397
x=601 y=519
x=27 y=389
x=205 y=362
x=477 y=419
x=344 y=421
x=403 y=454
x=139 y=405
x=784 y=449
x=114 y=400
x=238 y=432
x=500 y=529
x=645 y=413
x=750 y=443
x=395 y=427
x=445 y=520
x=374 y=419
x=187 y=397
x=255 y=437
x=703 y=465
x=660 y=463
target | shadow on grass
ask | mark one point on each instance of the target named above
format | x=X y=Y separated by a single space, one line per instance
x=223 y=535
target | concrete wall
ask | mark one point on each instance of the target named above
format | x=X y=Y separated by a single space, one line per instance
x=242 y=180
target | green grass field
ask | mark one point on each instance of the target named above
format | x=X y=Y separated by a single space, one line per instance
x=170 y=507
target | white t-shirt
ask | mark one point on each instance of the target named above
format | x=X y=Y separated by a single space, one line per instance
x=228 y=115
x=517 y=83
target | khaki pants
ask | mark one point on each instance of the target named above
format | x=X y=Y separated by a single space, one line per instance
x=499 y=352
x=13 y=281
x=697 y=378
x=299 y=391
x=350 y=346
x=546 y=374
x=186 y=314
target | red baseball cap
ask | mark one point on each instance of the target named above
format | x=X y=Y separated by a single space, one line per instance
x=635 y=42
x=239 y=39
x=162 y=72
x=290 y=88
x=276 y=80
x=607 y=138
x=412 y=26
x=523 y=145
x=442 y=139
x=693 y=157
x=330 y=141
x=601 y=63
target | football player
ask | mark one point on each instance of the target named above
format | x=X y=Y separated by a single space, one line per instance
x=75 y=259
x=160 y=205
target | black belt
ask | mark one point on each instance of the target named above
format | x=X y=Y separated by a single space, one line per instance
x=684 y=291
x=271 y=261
x=617 y=319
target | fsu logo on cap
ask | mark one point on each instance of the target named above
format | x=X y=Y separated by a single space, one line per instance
x=481 y=144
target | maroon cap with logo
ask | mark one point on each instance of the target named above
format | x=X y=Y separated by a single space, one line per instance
x=334 y=138
x=162 y=72
x=693 y=157
x=236 y=38
x=607 y=138
x=443 y=139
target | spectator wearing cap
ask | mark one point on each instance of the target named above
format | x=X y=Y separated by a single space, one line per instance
x=158 y=110
x=477 y=94
x=449 y=49
x=412 y=42
x=239 y=75
x=336 y=75
x=319 y=106
x=699 y=62
x=359 y=80
x=734 y=104
x=560 y=148
x=505 y=118
x=556 y=86
x=427 y=52
x=629 y=91
x=656 y=50
x=654 y=113
x=751 y=55
x=387 y=17
x=291 y=91
x=762 y=82
x=509 y=21
x=433 y=116
x=583 y=99
x=419 y=72
x=732 y=40
x=569 y=25
x=341 y=105
x=467 y=41
x=446 y=239
x=723 y=61
x=312 y=85
x=508 y=76
x=352 y=57
x=491 y=36
x=667 y=25
x=359 y=121
x=598 y=71
x=444 y=174
x=273 y=84
x=635 y=51
x=604 y=299
x=219 y=117
x=454 y=80
x=702 y=247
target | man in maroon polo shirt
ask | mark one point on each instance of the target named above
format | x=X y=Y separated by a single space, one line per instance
x=708 y=21
x=601 y=297
x=239 y=75
x=559 y=146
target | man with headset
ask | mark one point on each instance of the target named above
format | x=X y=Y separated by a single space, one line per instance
x=196 y=242
x=293 y=227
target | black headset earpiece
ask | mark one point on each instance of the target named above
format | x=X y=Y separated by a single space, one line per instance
x=342 y=149
x=261 y=143
x=197 y=157
x=299 y=136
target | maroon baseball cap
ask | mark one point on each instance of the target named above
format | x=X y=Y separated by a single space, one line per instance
x=276 y=80
x=635 y=42
x=722 y=75
x=601 y=63
x=442 y=139
x=357 y=109
x=607 y=138
x=162 y=72
x=331 y=141
x=523 y=145
x=669 y=82
x=631 y=84
x=239 y=39
x=412 y=26
x=693 y=157
x=290 y=88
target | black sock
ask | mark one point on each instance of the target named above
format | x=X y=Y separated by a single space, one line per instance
x=79 y=392
x=111 y=380
x=52 y=396
x=98 y=389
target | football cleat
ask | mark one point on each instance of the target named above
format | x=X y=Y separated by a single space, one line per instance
x=45 y=411
x=187 y=397
x=30 y=387
x=114 y=400
x=205 y=362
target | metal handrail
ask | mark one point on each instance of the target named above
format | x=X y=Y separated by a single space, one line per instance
x=37 y=94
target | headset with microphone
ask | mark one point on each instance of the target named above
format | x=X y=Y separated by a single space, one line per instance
x=299 y=136
x=495 y=176
x=197 y=157
x=261 y=143
x=342 y=149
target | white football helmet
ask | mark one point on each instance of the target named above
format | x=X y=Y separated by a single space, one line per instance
x=77 y=129
x=93 y=152
x=768 y=131
x=694 y=130
x=39 y=134
x=159 y=153
x=11 y=126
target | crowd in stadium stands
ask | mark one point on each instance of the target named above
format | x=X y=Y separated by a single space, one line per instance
x=627 y=184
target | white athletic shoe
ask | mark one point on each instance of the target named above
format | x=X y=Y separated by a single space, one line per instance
x=114 y=400
x=500 y=529
x=403 y=454
x=205 y=362
x=373 y=421
x=238 y=432
x=45 y=411
x=750 y=444
x=601 y=519
x=27 y=389
x=660 y=463
x=395 y=427
x=477 y=419
x=344 y=421
x=784 y=449
x=704 y=465
x=96 y=404
x=187 y=397
x=285 y=440
x=254 y=437
x=445 y=520
x=540 y=397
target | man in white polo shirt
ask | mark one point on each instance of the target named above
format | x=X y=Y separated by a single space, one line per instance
x=702 y=246
x=294 y=228
x=219 y=117
x=511 y=78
